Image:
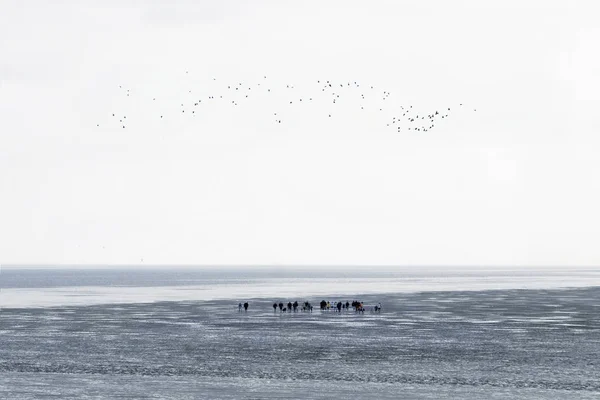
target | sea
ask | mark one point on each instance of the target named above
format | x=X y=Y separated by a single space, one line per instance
x=169 y=332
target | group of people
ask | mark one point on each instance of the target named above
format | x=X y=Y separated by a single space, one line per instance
x=357 y=306
x=292 y=307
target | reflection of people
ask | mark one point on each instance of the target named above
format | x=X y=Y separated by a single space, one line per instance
x=246 y=306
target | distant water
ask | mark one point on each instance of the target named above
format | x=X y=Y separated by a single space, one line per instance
x=63 y=287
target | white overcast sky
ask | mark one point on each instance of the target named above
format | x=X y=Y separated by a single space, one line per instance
x=515 y=183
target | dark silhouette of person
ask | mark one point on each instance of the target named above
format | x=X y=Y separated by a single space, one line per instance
x=347 y=305
x=339 y=306
x=274 y=307
x=295 y=306
x=246 y=306
x=289 y=306
x=280 y=306
x=323 y=304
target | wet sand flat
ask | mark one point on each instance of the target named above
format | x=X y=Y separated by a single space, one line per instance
x=457 y=344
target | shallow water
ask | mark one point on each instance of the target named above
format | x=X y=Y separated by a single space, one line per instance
x=71 y=287
x=457 y=344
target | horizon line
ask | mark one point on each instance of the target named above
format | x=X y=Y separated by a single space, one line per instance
x=285 y=265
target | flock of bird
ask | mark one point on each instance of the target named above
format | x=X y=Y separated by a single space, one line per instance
x=328 y=97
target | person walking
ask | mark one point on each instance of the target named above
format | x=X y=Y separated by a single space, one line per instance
x=280 y=306
x=339 y=306
x=246 y=306
x=240 y=307
x=274 y=307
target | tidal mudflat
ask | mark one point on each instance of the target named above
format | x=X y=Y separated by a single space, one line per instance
x=537 y=343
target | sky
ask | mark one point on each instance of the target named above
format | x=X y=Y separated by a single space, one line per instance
x=514 y=183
